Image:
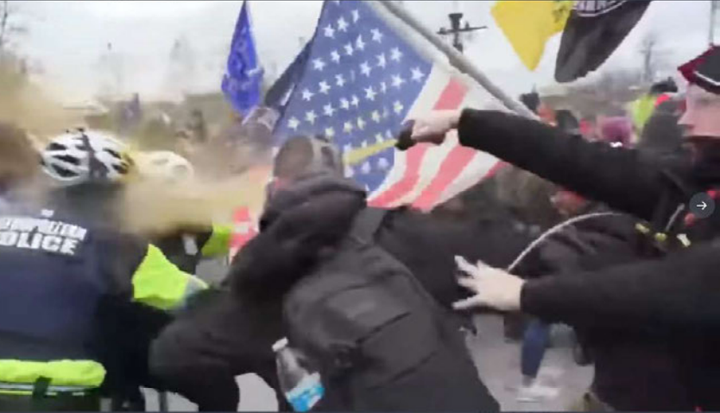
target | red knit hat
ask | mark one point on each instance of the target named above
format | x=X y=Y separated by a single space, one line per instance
x=704 y=70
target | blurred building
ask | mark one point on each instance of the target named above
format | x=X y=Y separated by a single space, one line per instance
x=591 y=100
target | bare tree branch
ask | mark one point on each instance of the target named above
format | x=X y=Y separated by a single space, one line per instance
x=9 y=28
x=654 y=58
x=4 y=17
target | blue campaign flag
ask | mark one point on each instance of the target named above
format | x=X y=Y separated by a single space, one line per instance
x=243 y=76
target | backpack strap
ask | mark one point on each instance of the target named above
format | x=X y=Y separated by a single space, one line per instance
x=367 y=223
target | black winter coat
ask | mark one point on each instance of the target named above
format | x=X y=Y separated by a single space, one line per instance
x=675 y=288
x=634 y=367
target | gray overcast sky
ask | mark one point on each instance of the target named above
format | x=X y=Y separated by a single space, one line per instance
x=69 y=38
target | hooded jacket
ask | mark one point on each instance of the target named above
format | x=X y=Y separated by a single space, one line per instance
x=304 y=223
x=423 y=245
x=673 y=286
x=300 y=226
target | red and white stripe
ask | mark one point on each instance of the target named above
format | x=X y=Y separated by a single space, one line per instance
x=427 y=175
x=244 y=229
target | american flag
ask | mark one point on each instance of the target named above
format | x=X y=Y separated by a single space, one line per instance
x=360 y=81
x=357 y=82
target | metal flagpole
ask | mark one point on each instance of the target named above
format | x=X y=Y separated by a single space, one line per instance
x=714 y=4
x=457 y=59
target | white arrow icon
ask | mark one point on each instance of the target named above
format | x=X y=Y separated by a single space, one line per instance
x=702 y=206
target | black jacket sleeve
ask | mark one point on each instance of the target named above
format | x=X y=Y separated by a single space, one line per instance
x=120 y=255
x=125 y=327
x=624 y=179
x=680 y=291
x=270 y=264
x=219 y=337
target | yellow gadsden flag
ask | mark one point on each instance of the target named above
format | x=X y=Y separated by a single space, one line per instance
x=529 y=24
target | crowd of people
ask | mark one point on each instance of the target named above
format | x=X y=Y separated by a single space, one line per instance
x=588 y=223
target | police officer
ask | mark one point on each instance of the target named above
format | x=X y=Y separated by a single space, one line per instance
x=68 y=276
x=187 y=246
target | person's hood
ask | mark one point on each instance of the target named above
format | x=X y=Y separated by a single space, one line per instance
x=302 y=223
x=306 y=190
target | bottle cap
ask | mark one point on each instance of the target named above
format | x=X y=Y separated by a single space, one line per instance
x=280 y=344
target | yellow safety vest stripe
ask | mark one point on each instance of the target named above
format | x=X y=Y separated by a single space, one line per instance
x=84 y=374
x=157 y=282
x=219 y=241
x=642 y=109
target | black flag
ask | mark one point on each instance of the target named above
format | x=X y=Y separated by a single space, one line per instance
x=276 y=97
x=593 y=32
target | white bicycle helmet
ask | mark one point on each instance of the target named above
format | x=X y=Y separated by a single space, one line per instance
x=86 y=156
x=165 y=165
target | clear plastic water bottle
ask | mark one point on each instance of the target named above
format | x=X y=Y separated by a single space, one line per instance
x=301 y=384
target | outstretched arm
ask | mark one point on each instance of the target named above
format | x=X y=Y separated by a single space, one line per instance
x=678 y=291
x=624 y=179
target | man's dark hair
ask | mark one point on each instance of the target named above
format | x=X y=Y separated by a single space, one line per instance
x=99 y=203
x=531 y=101
x=293 y=158
x=665 y=86
x=567 y=121
x=296 y=157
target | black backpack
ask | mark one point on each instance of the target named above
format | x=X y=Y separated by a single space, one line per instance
x=379 y=340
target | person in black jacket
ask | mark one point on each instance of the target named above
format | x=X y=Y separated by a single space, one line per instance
x=674 y=286
x=662 y=133
x=634 y=368
x=199 y=355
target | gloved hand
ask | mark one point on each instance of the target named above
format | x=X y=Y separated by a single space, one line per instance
x=434 y=128
x=493 y=288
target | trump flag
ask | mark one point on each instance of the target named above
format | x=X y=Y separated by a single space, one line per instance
x=242 y=81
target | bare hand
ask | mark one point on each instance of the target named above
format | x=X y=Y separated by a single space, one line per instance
x=434 y=128
x=493 y=288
